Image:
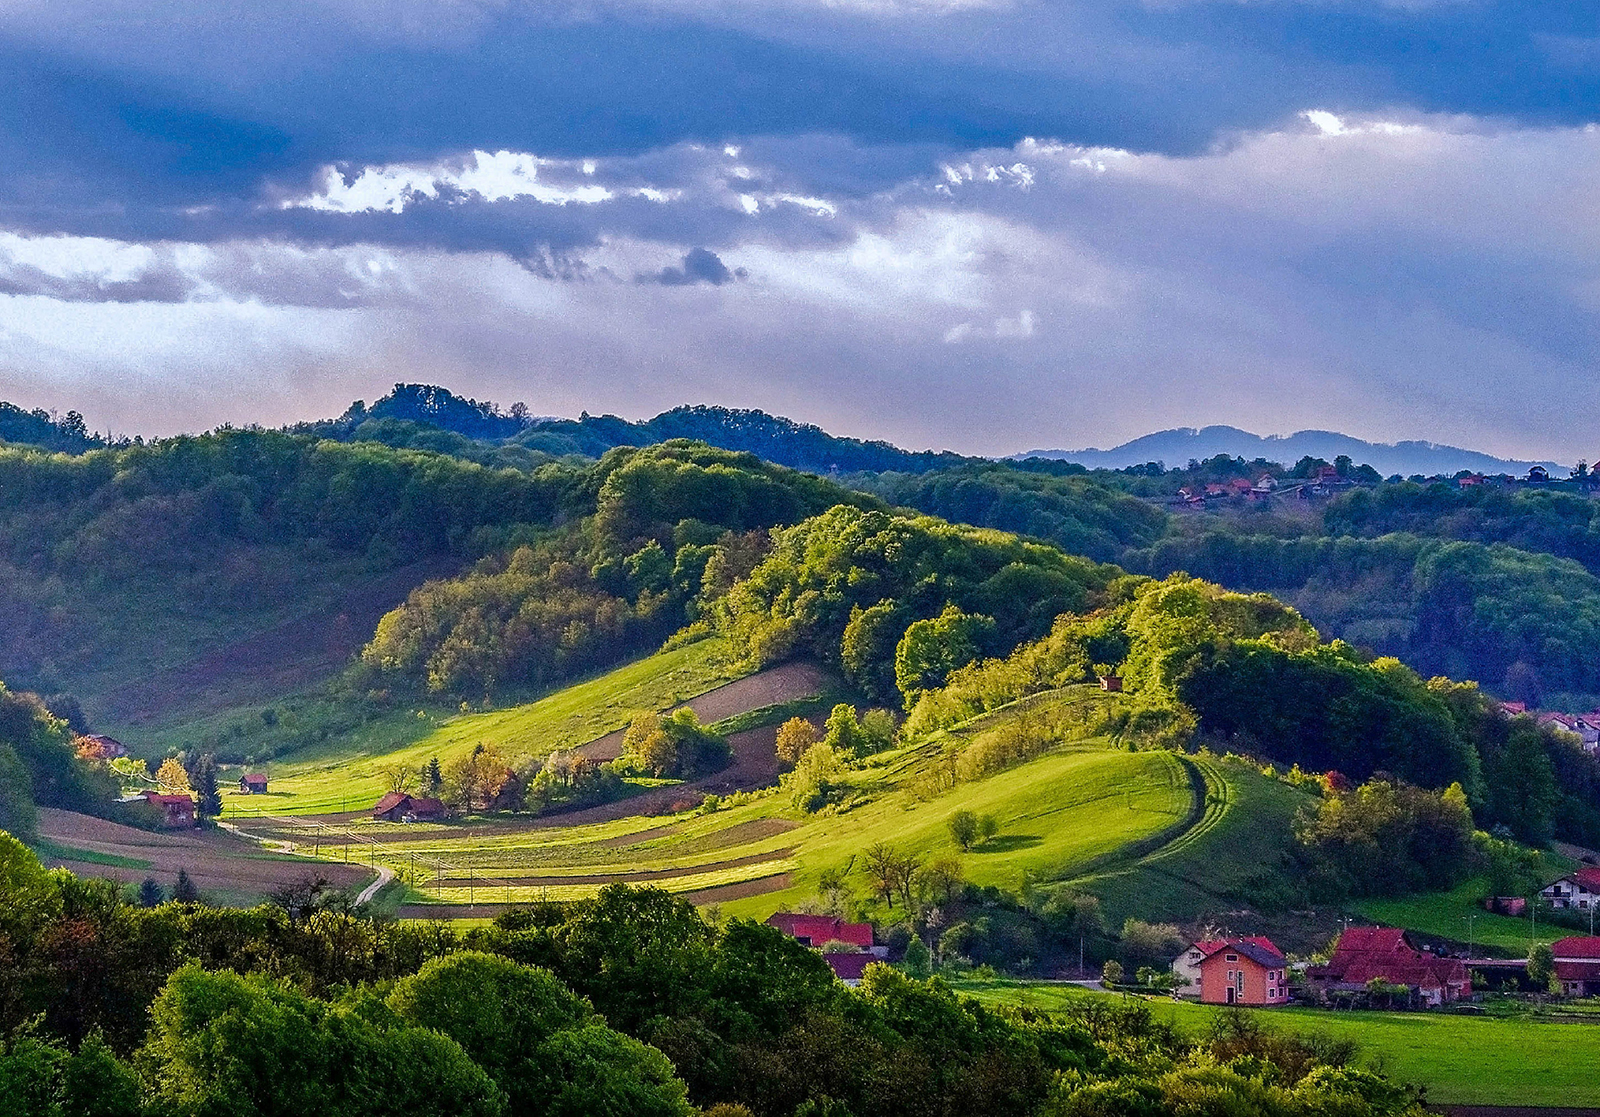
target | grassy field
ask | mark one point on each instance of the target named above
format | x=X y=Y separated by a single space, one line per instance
x=1462 y=1060
x=1235 y=846
x=349 y=774
x=1082 y=804
x=1055 y=813
x=1155 y=834
x=1445 y=914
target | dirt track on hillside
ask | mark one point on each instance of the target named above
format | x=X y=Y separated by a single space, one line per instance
x=215 y=859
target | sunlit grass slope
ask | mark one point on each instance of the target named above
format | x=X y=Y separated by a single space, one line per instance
x=1055 y=813
x=1231 y=853
x=338 y=777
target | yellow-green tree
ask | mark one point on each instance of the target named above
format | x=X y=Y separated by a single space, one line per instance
x=171 y=777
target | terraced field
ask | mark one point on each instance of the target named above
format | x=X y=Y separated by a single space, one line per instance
x=1155 y=832
x=1235 y=843
x=1074 y=806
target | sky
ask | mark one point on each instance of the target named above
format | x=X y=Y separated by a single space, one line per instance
x=981 y=225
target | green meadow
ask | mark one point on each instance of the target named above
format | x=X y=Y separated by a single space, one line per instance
x=1461 y=1060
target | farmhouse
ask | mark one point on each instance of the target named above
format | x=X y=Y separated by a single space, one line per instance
x=818 y=930
x=426 y=810
x=254 y=783
x=392 y=807
x=97 y=746
x=1580 y=890
x=1578 y=965
x=1244 y=972
x=177 y=811
x=1186 y=967
x=397 y=806
x=1364 y=953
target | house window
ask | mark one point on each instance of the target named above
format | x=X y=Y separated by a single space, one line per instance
x=1233 y=957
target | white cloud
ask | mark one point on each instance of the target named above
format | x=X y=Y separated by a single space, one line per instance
x=490 y=177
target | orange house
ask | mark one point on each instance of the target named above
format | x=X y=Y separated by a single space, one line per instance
x=1242 y=972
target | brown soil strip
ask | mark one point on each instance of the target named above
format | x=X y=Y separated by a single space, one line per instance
x=638 y=838
x=639 y=876
x=215 y=859
x=743 y=833
x=723 y=893
x=788 y=683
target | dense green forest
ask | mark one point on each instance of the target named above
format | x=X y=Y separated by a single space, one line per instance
x=631 y=1003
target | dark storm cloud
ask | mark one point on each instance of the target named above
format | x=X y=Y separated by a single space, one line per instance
x=699 y=266
x=173 y=128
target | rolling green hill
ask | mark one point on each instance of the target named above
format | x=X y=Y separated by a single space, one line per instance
x=1153 y=833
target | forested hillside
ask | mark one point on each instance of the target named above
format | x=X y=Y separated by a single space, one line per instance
x=121 y=562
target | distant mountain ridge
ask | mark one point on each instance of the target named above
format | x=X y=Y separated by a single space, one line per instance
x=773 y=438
x=1176 y=447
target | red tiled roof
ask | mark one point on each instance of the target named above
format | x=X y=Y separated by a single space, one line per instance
x=1577 y=946
x=1589 y=877
x=427 y=807
x=819 y=929
x=849 y=967
x=1363 y=953
x=1371 y=938
x=1209 y=946
x=169 y=800
x=254 y=778
x=390 y=801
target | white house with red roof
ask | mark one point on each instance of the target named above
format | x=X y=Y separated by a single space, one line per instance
x=1579 y=890
x=1578 y=965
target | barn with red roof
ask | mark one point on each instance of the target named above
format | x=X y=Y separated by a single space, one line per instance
x=818 y=930
x=1365 y=953
x=1578 y=965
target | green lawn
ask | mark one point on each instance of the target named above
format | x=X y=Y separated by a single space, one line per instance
x=44 y=847
x=347 y=776
x=1445 y=914
x=1462 y=1060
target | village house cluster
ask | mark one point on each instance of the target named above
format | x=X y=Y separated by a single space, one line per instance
x=1252 y=971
